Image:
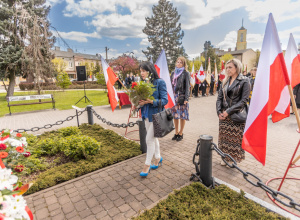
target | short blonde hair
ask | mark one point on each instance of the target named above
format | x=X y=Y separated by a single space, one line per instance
x=183 y=60
x=237 y=63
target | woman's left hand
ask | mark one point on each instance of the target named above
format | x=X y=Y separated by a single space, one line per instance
x=225 y=114
x=143 y=102
x=185 y=102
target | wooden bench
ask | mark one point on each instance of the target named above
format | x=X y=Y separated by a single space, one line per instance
x=29 y=97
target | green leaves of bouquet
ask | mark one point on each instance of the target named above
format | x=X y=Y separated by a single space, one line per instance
x=141 y=91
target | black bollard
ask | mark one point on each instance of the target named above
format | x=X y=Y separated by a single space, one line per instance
x=90 y=114
x=143 y=133
x=206 y=160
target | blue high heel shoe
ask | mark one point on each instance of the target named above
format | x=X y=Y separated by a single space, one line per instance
x=142 y=174
x=154 y=167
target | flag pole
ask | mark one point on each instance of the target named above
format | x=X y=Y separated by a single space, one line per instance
x=123 y=85
x=294 y=105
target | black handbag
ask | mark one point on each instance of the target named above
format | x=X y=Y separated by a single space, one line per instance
x=162 y=122
x=181 y=99
x=238 y=117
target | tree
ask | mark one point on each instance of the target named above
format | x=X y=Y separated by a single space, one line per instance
x=63 y=80
x=256 y=59
x=125 y=64
x=226 y=57
x=164 y=32
x=197 y=63
x=59 y=65
x=25 y=41
x=213 y=57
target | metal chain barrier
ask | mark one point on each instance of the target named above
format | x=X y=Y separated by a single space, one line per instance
x=257 y=181
x=50 y=125
x=123 y=125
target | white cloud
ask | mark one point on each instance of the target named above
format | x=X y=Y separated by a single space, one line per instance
x=77 y=36
x=229 y=41
x=52 y=2
x=145 y=42
x=128 y=45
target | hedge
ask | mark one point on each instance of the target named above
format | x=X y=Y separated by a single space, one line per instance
x=198 y=202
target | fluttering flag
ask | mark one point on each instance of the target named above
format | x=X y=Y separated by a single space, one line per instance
x=271 y=79
x=200 y=75
x=216 y=72
x=292 y=60
x=192 y=81
x=222 y=74
x=110 y=79
x=162 y=69
x=208 y=74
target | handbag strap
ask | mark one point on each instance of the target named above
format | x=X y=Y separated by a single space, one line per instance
x=159 y=105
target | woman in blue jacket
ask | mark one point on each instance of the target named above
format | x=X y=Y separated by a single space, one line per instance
x=150 y=107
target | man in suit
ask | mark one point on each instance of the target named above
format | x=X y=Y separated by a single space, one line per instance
x=128 y=81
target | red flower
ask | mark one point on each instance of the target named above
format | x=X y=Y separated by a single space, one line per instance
x=133 y=85
x=3 y=146
x=27 y=154
x=3 y=154
x=19 y=135
x=20 y=149
x=19 y=168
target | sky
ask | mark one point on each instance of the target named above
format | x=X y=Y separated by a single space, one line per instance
x=88 y=26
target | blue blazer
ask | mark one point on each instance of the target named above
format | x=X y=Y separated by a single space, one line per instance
x=159 y=94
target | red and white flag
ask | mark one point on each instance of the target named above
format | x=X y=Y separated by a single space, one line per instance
x=271 y=79
x=200 y=75
x=222 y=74
x=193 y=76
x=162 y=69
x=110 y=79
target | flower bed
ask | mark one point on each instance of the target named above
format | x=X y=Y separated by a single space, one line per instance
x=67 y=153
x=197 y=202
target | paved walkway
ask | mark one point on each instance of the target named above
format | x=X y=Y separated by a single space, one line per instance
x=118 y=192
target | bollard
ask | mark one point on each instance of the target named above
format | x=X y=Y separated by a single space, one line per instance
x=206 y=160
x=143 y=133
x=90 y=114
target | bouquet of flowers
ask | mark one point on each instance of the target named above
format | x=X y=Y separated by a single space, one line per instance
x=12 y=203
x=13 y=150
x=140 y=91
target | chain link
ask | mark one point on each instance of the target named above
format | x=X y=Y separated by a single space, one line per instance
x=274 y=193
x=123 y=125
x=34 y=129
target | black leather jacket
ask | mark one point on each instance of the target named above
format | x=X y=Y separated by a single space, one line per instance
x=183 y=84
x=237 y=95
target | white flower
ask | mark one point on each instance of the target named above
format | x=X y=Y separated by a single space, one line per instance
x=7 y=179
x=14 y=207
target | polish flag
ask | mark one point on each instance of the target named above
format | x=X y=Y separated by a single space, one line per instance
x=216 y=73
x=162 y=69
x=110 y=79
x=270 y=81
x=201 y=75
x=193 y=76
x=222 y=74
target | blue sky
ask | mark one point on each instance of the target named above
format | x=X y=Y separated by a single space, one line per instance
x=89 y=26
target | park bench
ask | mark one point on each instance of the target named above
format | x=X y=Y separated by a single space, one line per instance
x=29 y=98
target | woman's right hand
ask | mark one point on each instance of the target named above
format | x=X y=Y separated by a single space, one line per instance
x=221 y=116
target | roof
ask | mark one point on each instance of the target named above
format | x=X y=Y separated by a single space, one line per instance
x=69 y=54
x=234 y=52
x=242 y=28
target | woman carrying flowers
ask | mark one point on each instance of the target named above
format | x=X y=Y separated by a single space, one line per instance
x=150 y=107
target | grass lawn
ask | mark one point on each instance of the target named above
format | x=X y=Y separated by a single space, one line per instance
x=197 y=202
x=63 y=100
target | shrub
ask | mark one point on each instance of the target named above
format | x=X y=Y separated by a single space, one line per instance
x=68 y=131
x=63 y=80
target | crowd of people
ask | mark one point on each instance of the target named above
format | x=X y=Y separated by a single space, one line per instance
x=234 y=95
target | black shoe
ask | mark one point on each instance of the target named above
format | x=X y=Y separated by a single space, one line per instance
x=180 y=137
x=175 y=137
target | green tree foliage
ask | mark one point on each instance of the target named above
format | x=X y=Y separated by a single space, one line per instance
x=227 y=57
x=63 y=80
x=197 y=63
x=164 y=32
x=101 y=79
x=213 y=57
x=25 y=41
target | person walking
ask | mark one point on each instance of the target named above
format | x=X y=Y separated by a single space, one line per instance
x=232 y=98
x=150 y=107
x=180 y=80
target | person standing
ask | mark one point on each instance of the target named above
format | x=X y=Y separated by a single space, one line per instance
x=196 y=87
x=137 y=78
x=232 y=98
x=180 y=80
x=203 y=88
x=296 y=92
x=252 y=80
x=119 y=82
x=150 y=107
x=132 y=78
x=212 y=84
x=128 y=81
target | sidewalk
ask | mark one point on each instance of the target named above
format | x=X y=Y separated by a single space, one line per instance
x=118 y=192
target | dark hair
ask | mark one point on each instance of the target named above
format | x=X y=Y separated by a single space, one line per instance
x=148 y=66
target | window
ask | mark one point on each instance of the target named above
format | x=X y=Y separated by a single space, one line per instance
x=242 y=36
x=70 y=64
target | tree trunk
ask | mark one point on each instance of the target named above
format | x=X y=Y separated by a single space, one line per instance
x=11 y=86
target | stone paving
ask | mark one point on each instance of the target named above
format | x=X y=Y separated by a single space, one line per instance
x=118 y=192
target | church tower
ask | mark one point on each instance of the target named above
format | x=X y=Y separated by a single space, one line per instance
x=241 y=43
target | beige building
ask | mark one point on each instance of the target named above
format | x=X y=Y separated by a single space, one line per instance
x=75 y=59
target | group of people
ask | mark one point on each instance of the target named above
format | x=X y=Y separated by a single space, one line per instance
x=233 y=96
x=129 y=79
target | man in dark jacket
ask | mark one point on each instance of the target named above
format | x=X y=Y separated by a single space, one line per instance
x=128 y=81
x=212 y=84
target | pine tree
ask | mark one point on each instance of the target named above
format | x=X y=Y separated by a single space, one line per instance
x=164 y=32
x=25 y=41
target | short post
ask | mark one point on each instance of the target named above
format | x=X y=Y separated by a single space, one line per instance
x=206 y=160
x=143 y=133
x=77 y=117
x=90 y=114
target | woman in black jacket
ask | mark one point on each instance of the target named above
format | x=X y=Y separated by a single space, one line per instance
x=232 y=98
x=180 y=80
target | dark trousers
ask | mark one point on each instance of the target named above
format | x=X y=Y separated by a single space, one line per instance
x=203 y=88
x=211 y=89
x=196 y=88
